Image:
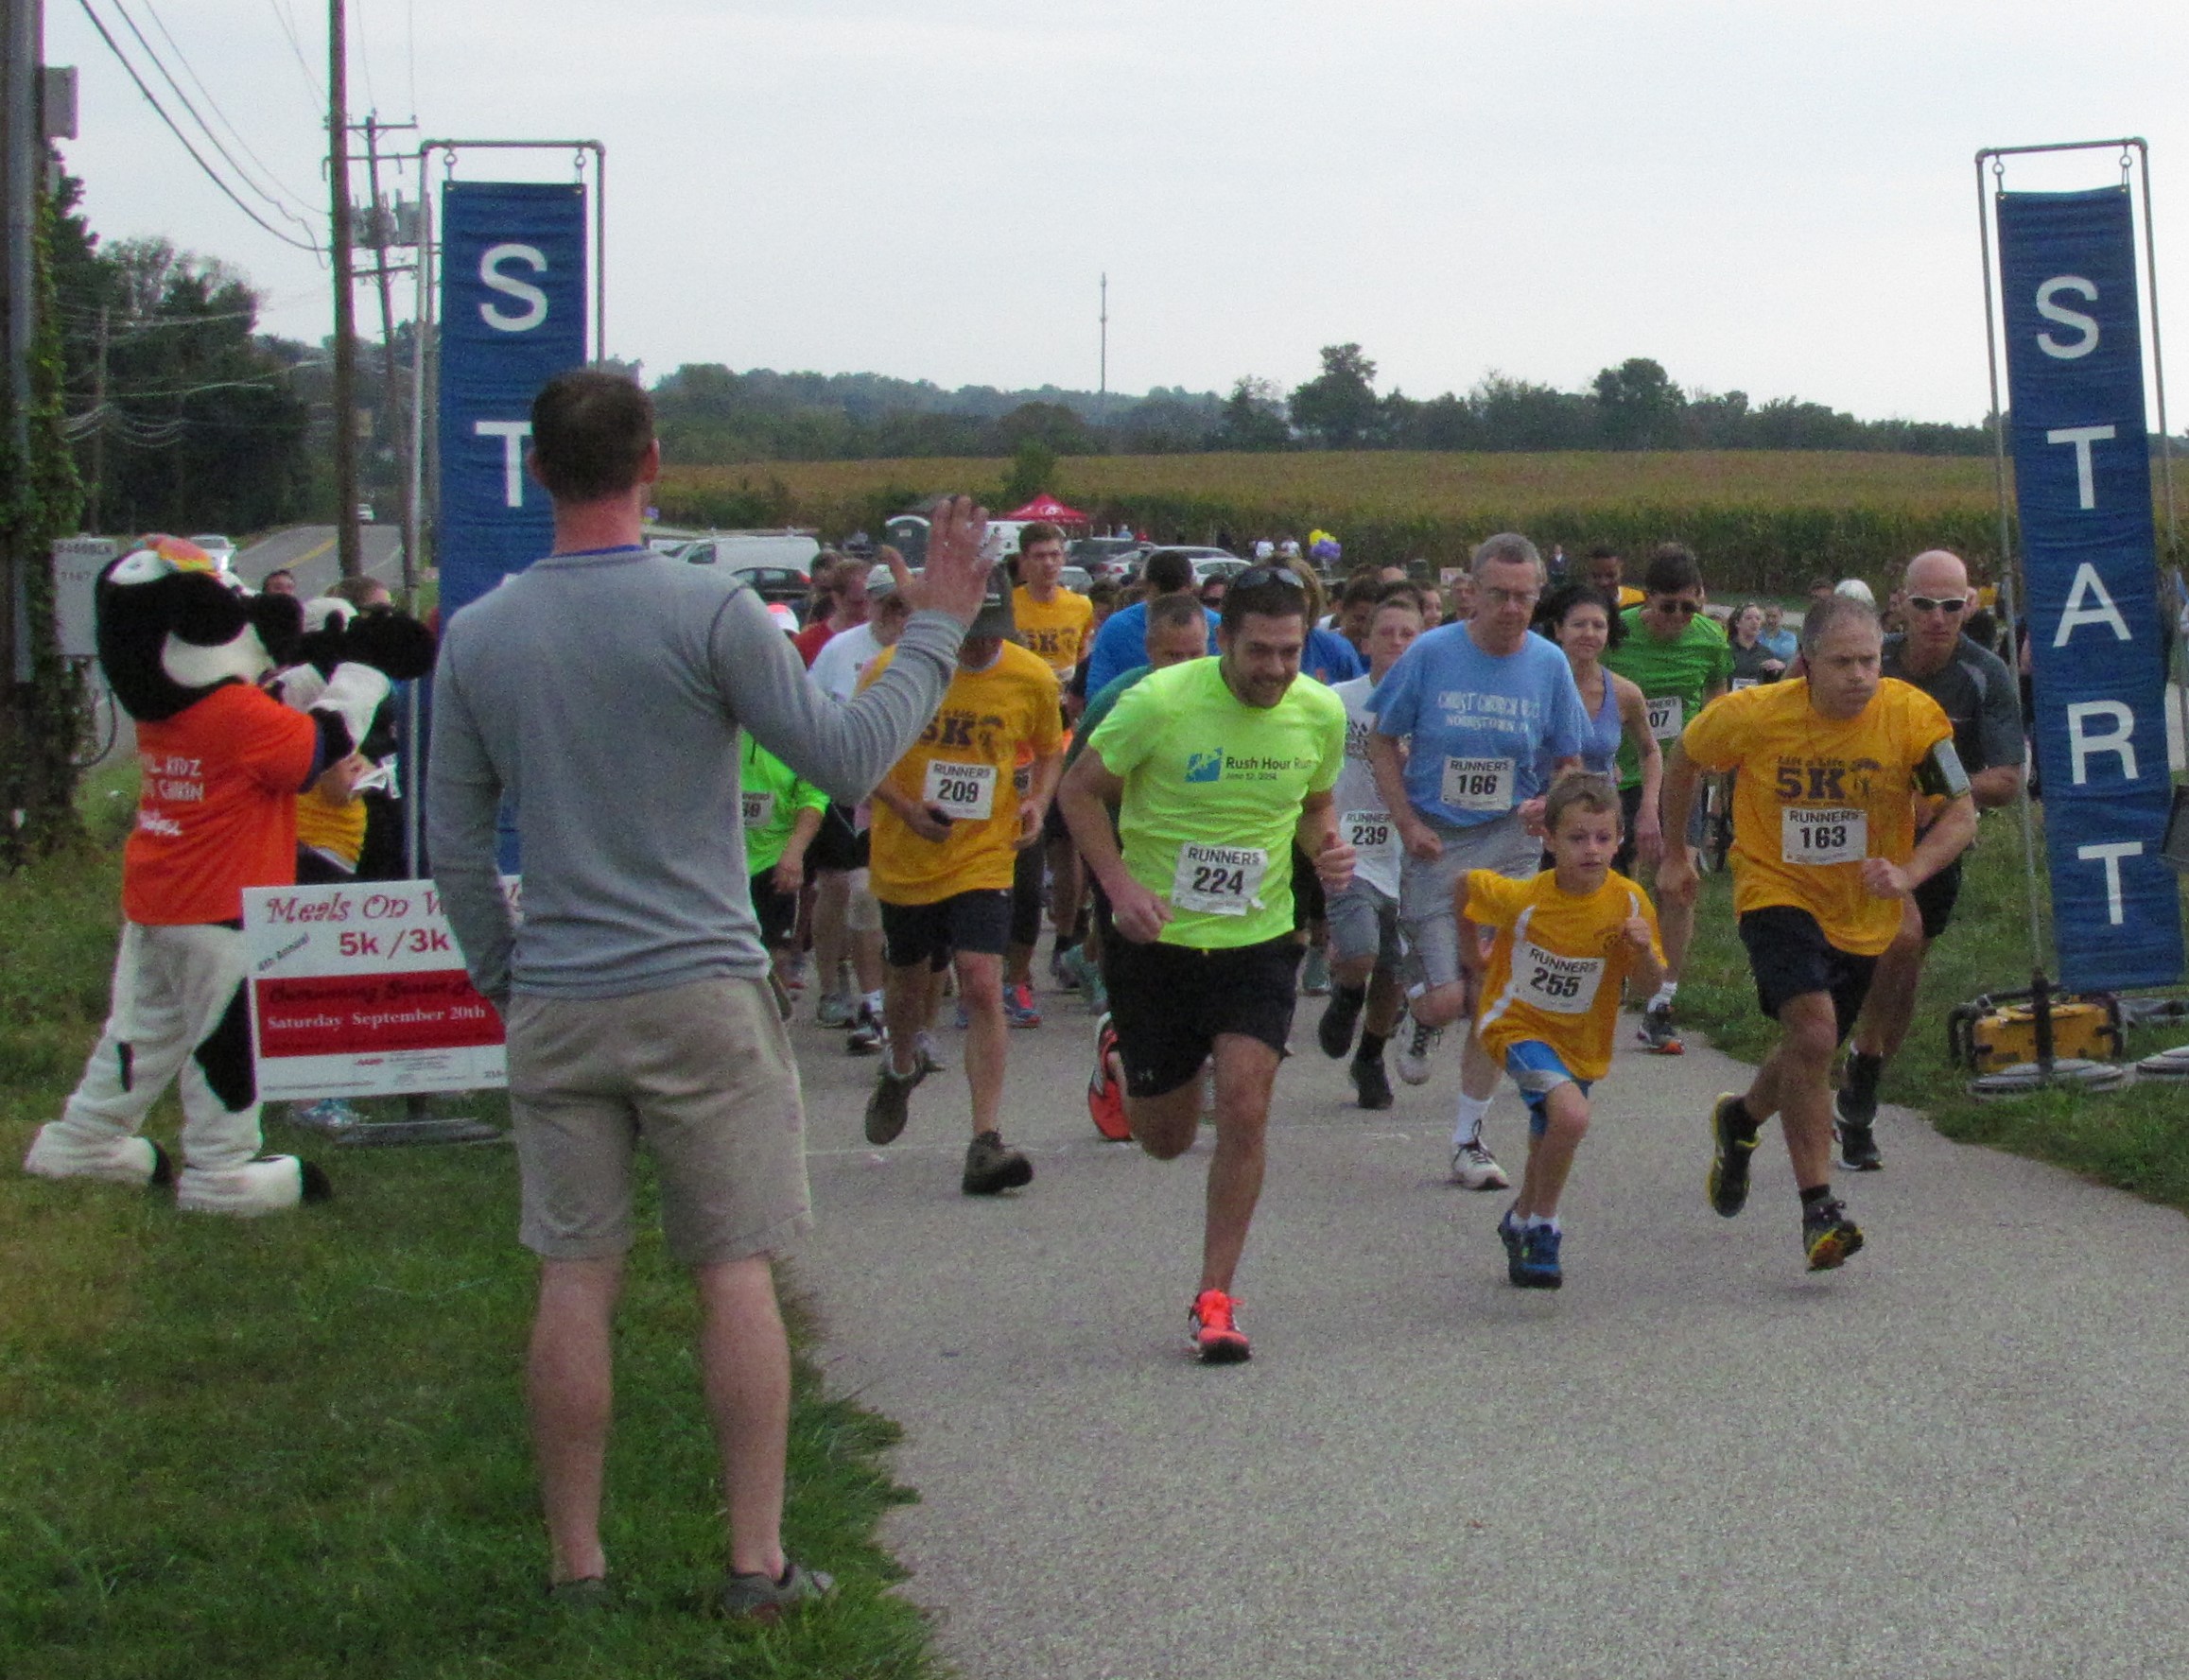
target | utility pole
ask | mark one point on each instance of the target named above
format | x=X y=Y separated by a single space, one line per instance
x=383 y=233
x=96 y=492
x=345 y=399
x=22 y=156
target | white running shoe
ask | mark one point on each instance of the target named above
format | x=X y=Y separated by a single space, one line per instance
x=1473 y=1167
x=1415 y=1049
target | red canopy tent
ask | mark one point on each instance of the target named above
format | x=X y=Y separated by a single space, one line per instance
x=1046 y=506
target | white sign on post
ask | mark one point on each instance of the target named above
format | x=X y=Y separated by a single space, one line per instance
x=360 y=991
x=76 y=563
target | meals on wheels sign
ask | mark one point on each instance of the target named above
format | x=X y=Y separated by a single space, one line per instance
x=513 y=302
x=2082 y=470
x=360 y=991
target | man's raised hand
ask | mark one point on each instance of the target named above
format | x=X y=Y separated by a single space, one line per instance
x=956 y=579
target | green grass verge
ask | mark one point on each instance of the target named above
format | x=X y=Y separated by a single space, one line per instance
x=294 y=1446
x=2134 y=1139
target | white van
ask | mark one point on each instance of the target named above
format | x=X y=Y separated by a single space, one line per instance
x=742 y=550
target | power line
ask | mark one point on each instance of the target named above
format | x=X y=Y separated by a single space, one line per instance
x=267 y=169
x=281 y=206
x=365 y=58
x=283 y=16
x=211 y=174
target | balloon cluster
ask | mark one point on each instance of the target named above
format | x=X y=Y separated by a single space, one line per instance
x=1323 y=546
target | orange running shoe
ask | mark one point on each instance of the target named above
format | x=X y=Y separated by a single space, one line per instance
x=1105 y=1089
x=1213 y=1333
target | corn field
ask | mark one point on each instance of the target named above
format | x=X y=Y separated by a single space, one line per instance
x=1761 y=520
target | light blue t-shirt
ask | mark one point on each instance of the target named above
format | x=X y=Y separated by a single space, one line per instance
x=1123 y=643
x=1782 y=642
x=1486 y=728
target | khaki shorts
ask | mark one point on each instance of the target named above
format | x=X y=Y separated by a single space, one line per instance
x=1428 y=914
x=702 y=1074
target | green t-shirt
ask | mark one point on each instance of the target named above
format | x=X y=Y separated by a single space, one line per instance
x=1675 y=678
x=1213 y=790
x=774 y=794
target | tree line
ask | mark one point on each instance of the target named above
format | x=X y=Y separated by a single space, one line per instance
x=709 y=413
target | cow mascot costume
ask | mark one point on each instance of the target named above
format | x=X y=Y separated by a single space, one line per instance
x=223 y=760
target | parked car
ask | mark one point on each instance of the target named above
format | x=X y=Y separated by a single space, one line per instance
x=741 y=549
x=1072 y=578
x=1105 y=556
x=771 y=583
x=221 y=550
x=1217 y=566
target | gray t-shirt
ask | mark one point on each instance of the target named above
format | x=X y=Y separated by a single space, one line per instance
x=1978 y=696
x=602 y=694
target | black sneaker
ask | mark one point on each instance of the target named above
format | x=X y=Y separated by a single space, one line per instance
x=1858 y=1146
x=990 y=1168
x=891 y=1104
x=1728 y=1178
x=1515 y=1239
x=1335 y=1033
x=1371 y=1084
x=1656 y=1034
x=1828 y=1236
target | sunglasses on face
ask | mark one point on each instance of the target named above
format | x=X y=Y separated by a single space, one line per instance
x=1509 y=597
x=1254 y=576
x=1928 y=603
x=1682 y=608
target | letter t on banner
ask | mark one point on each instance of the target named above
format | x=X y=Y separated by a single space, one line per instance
x=512 y=316
x=2082 y=471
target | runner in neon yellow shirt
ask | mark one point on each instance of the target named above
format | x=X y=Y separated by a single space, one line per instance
x=1217 y=766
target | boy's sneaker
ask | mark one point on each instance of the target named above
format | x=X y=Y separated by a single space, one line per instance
x=1656 y=1034
x=990 y=1168
x=836 y=1009
x=1473 y=1167
x=1415 y=1045
x=758 y=1598
x=1371 y=1084
x=891 y=1104
x=1019 y=1009
x=1732 y=1144
x=1828 y=1236
x=1537 y=1267
x=869 y=1036
x=1858 y=1147
x=1212 y=1329
x=1334 y=1032
x=1105 y=1090
x=1315 y=974
x=1510 y=1234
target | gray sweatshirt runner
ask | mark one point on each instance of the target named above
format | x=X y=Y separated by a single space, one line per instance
x=603 y=693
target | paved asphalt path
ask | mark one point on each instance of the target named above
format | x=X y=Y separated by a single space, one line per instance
x=1960 y=1456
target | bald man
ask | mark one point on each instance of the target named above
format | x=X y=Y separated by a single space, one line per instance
x=1978 y=694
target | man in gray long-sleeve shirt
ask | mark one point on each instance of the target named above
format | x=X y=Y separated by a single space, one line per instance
x=601 y=693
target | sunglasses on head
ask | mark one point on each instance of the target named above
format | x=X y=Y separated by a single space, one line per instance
x=1939 y=603
x=1254 y=576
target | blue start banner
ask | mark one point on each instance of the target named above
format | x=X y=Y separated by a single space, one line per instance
x=512 y=316
x=2082 y=471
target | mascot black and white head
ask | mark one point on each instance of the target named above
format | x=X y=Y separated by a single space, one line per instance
x=171 y=629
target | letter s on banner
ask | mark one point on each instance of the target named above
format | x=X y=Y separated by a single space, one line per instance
x=512 y=313
x=2082 y=469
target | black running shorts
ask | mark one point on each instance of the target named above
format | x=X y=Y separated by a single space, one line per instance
x=777 y=912
x=838 y=845
x=1789 y=955
x=977 y=922
x=1936 y=898
x=1170 y=1003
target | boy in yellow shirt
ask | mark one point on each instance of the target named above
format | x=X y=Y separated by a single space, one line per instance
x=1547 y=996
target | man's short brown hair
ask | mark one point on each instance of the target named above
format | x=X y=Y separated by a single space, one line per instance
x=1040 y=530
x=590 y=432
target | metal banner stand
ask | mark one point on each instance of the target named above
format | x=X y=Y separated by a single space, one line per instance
x=420 y=1123
x=2048 y=1071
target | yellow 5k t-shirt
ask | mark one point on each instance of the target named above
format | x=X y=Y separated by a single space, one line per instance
x=1057 y=631
x=963 y=762
x=1816 y=796
x=1556 y=964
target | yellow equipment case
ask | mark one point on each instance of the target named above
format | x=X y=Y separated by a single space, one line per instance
x=2000 y=1030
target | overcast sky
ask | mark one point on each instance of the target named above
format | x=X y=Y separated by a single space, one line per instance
x=1774 y=197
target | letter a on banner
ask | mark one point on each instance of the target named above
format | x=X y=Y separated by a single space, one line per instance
x=512 y=316
x=2082 y=472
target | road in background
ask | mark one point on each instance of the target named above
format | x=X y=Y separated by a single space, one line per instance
x=308 y=550
x=1960 y=1456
